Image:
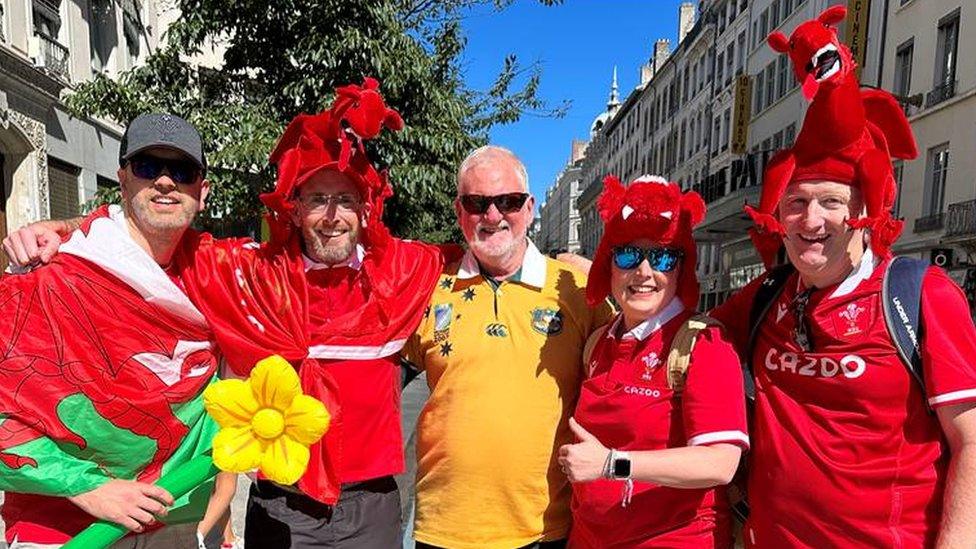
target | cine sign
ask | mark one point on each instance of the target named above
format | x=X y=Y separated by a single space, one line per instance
x=858 y=15
x=743 y=112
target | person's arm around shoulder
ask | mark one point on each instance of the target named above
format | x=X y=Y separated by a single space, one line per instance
x=37 y=243
x=948 y=345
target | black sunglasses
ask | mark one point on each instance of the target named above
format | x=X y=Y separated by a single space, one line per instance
x=801 y=331
x=150 y=167
x=660 y=259
x=506 y=203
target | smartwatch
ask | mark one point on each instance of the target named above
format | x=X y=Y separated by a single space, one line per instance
x=619 y=465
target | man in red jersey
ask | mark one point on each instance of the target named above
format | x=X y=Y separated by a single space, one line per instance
x=848 y=449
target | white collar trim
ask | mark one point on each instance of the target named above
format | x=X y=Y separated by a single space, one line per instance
x=532 y=272
x=645 y=329
x=354 y=262
x=858 y=275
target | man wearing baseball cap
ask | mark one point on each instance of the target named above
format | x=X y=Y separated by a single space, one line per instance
x=105 y=360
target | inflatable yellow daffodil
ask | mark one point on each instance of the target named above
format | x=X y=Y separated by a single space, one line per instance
x=265 y=422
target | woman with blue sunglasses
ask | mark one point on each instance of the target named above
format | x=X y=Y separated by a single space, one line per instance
x=656 y=440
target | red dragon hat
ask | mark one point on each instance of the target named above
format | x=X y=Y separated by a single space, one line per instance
x=849 y=135
x=333 y=140
x=652 y=208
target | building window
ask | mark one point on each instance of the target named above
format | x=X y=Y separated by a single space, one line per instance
x=740 y=58
x=898 y=170
x=729 y=63
x=784 y=76
x=771 y=83
x=790 y=135
x=716 y=134
x=903 y=68
x=764 y=24
x=786 y=6
x=936 y=169
x=719 y=68
x=945 y=59
x=760 y=89
x=774 y=15
x=726 y=124
x=63 y=196
x=777 y=140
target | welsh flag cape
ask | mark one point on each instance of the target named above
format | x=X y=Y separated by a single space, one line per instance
x=102 y=363
x=256 y=300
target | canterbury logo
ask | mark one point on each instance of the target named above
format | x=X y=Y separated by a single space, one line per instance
x=496 y=330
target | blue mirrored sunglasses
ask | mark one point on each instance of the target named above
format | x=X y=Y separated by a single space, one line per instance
x=660 y=259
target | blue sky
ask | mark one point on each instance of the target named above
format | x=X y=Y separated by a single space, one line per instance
x=577 y=44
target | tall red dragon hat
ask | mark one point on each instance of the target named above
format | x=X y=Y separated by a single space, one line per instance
x=652 y=208
x=333 y=140
x=849 y=135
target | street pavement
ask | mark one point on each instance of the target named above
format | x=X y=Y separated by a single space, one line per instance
x=414 y=397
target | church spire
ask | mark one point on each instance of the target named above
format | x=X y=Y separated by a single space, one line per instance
x=614 y=97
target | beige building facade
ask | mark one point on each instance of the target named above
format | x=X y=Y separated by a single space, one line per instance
x=925 y=41
x=50 y=162
x=559 y=218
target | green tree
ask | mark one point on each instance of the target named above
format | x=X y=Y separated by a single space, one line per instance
x=285 y=57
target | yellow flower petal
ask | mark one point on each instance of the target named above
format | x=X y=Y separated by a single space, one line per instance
x=237 y=450
x=285 y=460
x=230 y=402
x=306 y=420
x=275 y=383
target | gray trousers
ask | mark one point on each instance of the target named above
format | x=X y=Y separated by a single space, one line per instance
x=367 y=516
x=178 y=536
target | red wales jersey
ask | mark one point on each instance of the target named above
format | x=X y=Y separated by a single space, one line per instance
x=845 y=451
x=627 y=405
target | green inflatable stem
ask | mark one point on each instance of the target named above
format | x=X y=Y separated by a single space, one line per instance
x=177 y=482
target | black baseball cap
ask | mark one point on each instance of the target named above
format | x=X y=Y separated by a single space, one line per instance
x=162 y=130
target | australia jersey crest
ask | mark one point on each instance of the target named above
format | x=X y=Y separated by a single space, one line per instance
x=547 y=321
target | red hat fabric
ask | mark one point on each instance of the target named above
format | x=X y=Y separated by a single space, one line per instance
x=333 y=140
x=849 y=136
x=655 y=209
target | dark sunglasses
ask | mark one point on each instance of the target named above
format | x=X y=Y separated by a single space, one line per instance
x=660 y=259
x=801 y=331
x=150 y=167
x=506 y=203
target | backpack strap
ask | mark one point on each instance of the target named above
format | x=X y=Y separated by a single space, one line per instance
x=767 y=294
x=679 y=357
x=901 y=298
x=591 y=342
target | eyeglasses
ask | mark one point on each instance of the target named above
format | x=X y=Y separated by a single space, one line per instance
x=151 y=167
x=316 y=202
x=660 y=259
x=801 y=331
x=506 y=203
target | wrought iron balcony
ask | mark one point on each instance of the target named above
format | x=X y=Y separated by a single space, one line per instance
x=929 y=222
x=940 y=93
x=53 y=56
x=961 y=220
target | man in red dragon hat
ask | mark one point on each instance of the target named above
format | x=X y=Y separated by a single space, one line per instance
x=337 y=296
x=853 y=445
x=103 y=360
